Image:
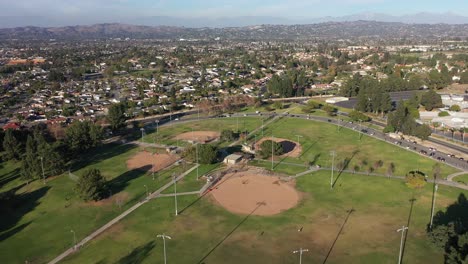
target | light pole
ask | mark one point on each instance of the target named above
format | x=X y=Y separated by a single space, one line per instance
x=272 y=153
x=402 y=229
x=433 y=206
x=333 y=154
x=42 y=166
x=74 y=239
x=298 y=136
x=237 y=119
x=300 y=251
x=175 y=193
x=142 y=132
x=146 y=188
x=262 y=126
x=163 y=236
x=198 y=165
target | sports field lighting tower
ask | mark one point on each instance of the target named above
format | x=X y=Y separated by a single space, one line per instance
x=300 y=251
x=402 y=230
x=433 y=205
x=163 y=236
x=175 y=193
x=333 y=154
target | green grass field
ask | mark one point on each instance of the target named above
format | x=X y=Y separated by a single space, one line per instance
x=38 y=221
x=41 y=217
x=462 y=179
x=206 y=233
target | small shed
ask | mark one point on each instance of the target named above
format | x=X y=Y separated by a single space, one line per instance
x=233 y=159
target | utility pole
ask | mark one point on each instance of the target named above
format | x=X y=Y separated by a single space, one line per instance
x=175 y=193
x=333 y=154
x=42 y=166
x=198 y=164
x=300 y=251
x=402 y=229
x=433 y=206
x=146 y=188
x=74 y=239
x=163 y=236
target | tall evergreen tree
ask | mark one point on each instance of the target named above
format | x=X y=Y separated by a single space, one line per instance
x=11 y=145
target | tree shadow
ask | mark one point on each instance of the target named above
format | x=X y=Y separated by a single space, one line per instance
x=450 y=230
x=138 y=254
x=121 y=182
x=10 y=176
x=338 y=235
x=101 y=153
x=230 y=233
x=15 y=206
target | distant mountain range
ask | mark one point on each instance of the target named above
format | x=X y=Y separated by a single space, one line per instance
x=235 y=21
x=422 y=33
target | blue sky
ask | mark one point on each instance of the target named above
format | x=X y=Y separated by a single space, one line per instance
x=106 y=9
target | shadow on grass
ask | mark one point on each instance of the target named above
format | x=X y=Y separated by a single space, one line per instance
x=230 y=233
x=101 y=153
x=15 y=206
x=10 y=176
x=121 y=182
x=412 y=200
x=138 y=254
x=338 y=235
x=346 y=163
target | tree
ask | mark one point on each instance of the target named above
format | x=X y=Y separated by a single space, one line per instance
x=455 y=108
x=228 y=135
x=443 y=113
x=415 y=179
x=431 y=100
x=450 y=231
x=330 y=110
x=207 y=153
x=391 y=169
x=267 y=146
x=91 y=186
x=31 y=167
x=81 y=136
x=358 y=116
x=11 y=145
x=422 y=131
x=116 y=116
x=464 y=77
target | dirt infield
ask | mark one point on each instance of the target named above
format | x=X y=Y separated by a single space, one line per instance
x=249 y=193
x=199 y=136
x=146 y=161
x=290 y=148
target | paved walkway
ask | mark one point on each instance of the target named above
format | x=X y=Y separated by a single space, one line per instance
x=451 y=176
x=179 y=194
x=118 y=218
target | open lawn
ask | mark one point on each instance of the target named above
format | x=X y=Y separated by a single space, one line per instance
x=39 y=220
x=206 y=233
x=462 y=179
x=319 y=139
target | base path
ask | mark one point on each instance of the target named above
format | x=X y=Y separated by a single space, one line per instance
x=118 y=218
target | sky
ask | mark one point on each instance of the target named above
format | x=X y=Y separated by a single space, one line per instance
x=107 y=10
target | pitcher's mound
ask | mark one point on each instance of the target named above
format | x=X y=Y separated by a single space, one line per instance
x=148 y=162
x=247 y=193
x=199 y=136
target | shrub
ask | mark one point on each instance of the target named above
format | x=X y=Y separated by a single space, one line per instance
x=415 y=179
x=266 y=148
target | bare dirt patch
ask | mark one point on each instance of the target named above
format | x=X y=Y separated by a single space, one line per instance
x=290 y=148
x=199 y=136
x=146 y=161
x=243 y=192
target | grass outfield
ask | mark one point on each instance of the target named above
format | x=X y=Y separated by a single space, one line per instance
x=318 y=139
x=41 y=221
x=207 y=233
x=168 y=132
